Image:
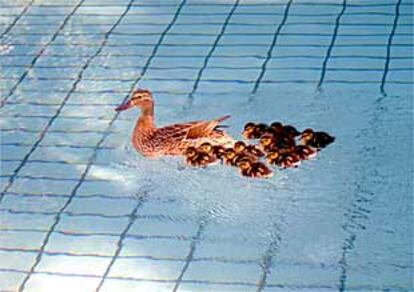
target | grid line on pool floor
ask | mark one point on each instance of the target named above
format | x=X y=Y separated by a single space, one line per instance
x=17 y=18
x=332 y=44
x=74 y=191
x=212 y=49
x=272 y=46
x=64 y=100
x=242 y=47
x=389 y=44
x=132 y=218
x=40 y=53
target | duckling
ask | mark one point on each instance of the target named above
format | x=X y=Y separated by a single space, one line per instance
x=218 y=151
x=277 y=127
x=289 y=160
x=196 y=158
x=291 y=131
x=285 y=142
x=316 y=140
x=254 y=169
x=305 y=152
x=248 y=131
x=284 y=160
x=268 y=142
x=231 y=157
x=206 y=147
x=273 y=157
x=241 y=147
x=254 y=131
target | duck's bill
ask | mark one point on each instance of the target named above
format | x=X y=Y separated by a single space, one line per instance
x=126 y=105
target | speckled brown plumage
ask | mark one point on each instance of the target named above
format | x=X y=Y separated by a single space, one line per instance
x=151 y=141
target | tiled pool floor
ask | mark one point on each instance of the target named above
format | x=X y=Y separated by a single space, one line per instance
x=81 y=211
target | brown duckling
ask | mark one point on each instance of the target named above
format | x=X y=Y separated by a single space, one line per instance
x=277 y=127
x=254 y=169
x=291 y=131
x=305 y=152
x=284 y=130
x=254 y=131
x=205 y=147
x=248 y=131
x=218 y=151
x=273 y=157
x=231 y=157
x=268 y=143
x=196 y=158
x=284 y=160
x=289 y=160
x=241 y=147
x=316 y=140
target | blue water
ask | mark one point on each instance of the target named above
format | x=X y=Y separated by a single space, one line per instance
x=80 y=210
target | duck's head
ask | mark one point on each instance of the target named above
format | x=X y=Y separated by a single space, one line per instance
x=229 y=153
x=266 y=140
x=218 y=150
x=244 y=164
x=277 y=127
x=273 y=156
x=239 y=146
x=307 y=134
x=190 y=152
x=206 y=147
x=248 y=130
x=141 y=98
x=291 y=131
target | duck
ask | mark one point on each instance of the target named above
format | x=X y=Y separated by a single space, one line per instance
x=283 y=160
x=231 y=157
x=268 y=143
x=254 y=169
x=218 y=151
x=290 y=131
x=289 y=160
x=153 y=142
x=277 y=128
x=284 y=130
x=254 y=131
x=196 y=158
x=316 y=140
x=305 y=152
x=241 y=147
x=273 y=157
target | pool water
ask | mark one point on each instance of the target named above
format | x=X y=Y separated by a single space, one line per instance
x=80 y=210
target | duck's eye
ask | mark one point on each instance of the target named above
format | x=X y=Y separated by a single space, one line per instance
x=266 y=141
x=230 y=154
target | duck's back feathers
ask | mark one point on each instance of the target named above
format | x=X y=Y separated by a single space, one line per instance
x=203 y=128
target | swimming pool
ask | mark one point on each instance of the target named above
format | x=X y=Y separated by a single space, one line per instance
x=82 y=211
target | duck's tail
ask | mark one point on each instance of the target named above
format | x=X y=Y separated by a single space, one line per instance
x=219 y=120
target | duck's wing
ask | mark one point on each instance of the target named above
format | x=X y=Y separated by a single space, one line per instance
x=204 y=128
x=191 y=130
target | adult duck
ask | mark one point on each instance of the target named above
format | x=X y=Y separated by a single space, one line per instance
x=153 y=142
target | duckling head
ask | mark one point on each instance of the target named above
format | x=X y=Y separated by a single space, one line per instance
x=273 y=156
x=218 y=150
x=141 y=98
x=277 y=127
x=229 y=154
x=239 y=146
x=307 y=134
x=266 y=140
x=206 y=147
x=191 y=152
x=248 y=130
x=244 y=164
